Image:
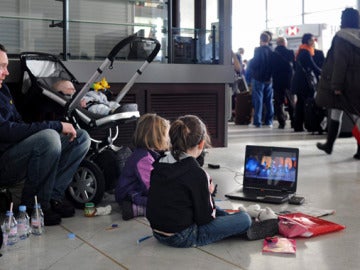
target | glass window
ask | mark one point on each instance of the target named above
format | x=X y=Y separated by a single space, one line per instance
x=193 y=45
x=94 y=27
x=315 y=12
x=248 y=21
x=319 y=6
x=283 y=12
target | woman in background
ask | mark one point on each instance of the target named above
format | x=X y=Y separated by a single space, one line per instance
x=300 y=85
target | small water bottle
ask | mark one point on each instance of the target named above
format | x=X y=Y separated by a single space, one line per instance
x=23 y=223
x=10 y=229
x=37 y=220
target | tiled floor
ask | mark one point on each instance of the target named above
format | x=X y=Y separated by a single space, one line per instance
x=327 y=182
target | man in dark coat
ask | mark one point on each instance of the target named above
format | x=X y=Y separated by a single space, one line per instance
x=282 y=62
x=339 y=87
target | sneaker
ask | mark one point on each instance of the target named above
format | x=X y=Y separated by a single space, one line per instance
x=51 y=218
x=253 y=126
x=262 y=229
x=63 y=207
x=127 y=210
x=268 y=126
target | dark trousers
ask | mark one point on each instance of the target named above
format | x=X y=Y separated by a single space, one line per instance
x=282 y=95
x=299 y=113
x=279 y=101
x=290 y=105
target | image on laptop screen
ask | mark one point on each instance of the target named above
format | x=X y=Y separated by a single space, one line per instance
x=271 y=167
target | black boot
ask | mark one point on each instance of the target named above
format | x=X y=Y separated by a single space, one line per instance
x=357 y=154
x=333 y=130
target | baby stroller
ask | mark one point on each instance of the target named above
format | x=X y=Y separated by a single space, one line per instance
x=100 y=169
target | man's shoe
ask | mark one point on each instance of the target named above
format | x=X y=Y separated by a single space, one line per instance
x=253 y=126
x=63 y=208
x=51 y=218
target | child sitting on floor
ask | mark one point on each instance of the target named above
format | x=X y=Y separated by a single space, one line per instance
x=150 y=138
x=180 y=209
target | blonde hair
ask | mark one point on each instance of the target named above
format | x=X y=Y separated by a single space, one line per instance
x=185 y=133
x=281 y=41
x=152 y=132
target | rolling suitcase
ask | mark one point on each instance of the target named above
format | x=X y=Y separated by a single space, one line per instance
x=313 y=116
x=243 y=108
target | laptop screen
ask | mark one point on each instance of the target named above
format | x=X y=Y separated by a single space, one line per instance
x=270 y=167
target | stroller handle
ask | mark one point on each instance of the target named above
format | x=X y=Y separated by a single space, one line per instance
x=153 y=54
x=118 y=47
x=108 y=63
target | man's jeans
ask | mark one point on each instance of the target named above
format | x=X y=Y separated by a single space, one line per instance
x=223 y=226
x=262 y=93
x=47 y=161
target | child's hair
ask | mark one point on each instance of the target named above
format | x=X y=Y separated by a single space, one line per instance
x=185 y=133
x=152 y=132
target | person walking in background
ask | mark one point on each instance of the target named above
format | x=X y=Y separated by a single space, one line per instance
x=339 y=86
x=282 y=63
x=300 y=85
x=46 y=154
x=239 y=55
x=150 y=138
x=262 y=92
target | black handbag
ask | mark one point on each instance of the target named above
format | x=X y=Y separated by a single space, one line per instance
x=310 y=77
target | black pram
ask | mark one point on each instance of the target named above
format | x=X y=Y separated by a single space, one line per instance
x=99 y=171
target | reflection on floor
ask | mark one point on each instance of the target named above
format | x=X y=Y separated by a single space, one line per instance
x=326 y=181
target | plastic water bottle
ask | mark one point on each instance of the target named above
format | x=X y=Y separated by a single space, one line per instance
x=10 y=229
x=23 y=223
x=37 y=220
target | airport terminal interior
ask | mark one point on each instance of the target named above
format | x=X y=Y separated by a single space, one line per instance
x=328 y=182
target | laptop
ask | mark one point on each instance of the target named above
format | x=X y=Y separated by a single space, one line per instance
x=270 y=174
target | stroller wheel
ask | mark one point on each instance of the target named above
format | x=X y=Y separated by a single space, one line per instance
x=88 y=185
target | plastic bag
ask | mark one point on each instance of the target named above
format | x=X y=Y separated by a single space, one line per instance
x=302 y=225
x=279 y=245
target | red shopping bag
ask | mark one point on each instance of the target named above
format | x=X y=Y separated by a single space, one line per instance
x=302 y=225
x=356 y=130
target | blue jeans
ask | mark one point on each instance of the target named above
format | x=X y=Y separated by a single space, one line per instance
x=47 y=161
x=262 y=93
x=223 y=226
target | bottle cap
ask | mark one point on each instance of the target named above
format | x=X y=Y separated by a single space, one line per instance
x=71 y=235
x=89 y=204
x=22 y=208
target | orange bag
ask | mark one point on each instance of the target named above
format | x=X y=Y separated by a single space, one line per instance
x=302 y=225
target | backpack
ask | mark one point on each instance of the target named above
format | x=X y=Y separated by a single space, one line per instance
x=112 y=163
